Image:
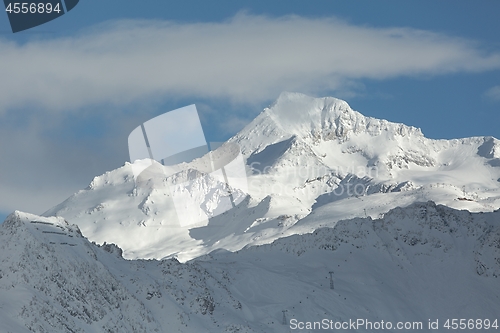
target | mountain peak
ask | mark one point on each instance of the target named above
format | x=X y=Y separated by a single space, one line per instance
x=304 y=116
x=313 y=120
x=329 y=118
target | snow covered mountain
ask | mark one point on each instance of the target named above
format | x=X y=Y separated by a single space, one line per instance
x=331 y=199
x=310 y=163
x=419 y=263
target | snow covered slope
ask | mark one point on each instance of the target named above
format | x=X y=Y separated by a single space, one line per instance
x=416 y=263
x=54 y=280
x=310 y=163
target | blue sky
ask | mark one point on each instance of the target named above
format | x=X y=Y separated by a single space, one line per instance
x=73 y=89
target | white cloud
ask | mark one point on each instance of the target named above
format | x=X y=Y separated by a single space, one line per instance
x=247 y=59
x=243 y=59
x=493 y=93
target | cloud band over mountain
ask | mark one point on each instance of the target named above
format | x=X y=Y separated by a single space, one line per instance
x=244 y=58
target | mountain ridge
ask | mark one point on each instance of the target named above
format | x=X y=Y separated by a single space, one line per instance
x=419 y=263
x=302 y=154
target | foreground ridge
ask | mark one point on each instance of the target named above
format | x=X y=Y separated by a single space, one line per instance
x=426 y=260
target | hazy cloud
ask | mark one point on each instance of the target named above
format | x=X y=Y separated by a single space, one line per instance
x=41 y=166
x=493 y=93
x=243 y=59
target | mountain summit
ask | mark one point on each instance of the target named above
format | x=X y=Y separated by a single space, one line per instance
x=316 y=119
x=310 y=163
